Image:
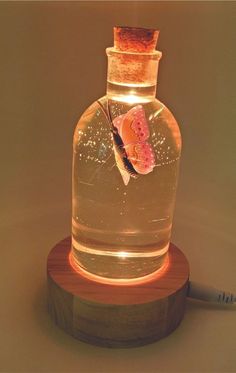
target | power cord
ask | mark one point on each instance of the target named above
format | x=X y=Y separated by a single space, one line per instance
x=210 y=294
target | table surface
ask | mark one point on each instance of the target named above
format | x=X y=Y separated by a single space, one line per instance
x=50 y=71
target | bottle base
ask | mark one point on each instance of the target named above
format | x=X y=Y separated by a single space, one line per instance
x=117 y=267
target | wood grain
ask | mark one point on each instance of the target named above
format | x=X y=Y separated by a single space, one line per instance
x=114 y=315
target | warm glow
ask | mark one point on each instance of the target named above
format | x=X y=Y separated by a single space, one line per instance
x=130 y=99
x=122 y=254
x=120 y=282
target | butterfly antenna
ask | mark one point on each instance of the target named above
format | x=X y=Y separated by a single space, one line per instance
x=107 y=113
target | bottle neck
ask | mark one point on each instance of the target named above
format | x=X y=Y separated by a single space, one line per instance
x=132 y=77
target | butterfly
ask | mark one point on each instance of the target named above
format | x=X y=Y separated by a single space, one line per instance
x=134 y=155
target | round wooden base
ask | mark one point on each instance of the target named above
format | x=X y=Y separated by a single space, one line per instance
x=116 y=315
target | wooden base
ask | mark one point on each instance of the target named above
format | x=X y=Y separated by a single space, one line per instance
x=116 y=315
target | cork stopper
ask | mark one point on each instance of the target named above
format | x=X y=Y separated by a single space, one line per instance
x=134 y=39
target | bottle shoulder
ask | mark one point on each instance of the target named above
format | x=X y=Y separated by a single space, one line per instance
x=165 y=119
x=164 y=111
x=158 y=116
x=155 y=107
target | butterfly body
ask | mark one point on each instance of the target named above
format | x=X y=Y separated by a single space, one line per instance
x=121 y=155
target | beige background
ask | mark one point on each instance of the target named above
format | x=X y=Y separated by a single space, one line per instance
x=52 y=66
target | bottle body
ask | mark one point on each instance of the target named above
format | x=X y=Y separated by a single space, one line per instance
x=121 y=220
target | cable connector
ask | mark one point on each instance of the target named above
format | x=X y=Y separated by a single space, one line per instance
x=209 y=294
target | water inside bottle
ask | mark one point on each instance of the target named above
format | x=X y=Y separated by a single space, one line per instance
x=122 y=231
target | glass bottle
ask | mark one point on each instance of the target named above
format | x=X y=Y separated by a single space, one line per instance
x=126 y=153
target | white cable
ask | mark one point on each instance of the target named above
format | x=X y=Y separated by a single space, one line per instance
x=210 y=294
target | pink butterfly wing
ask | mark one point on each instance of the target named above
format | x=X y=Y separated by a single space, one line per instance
x=141 y=156
x=134 y=131
x=134 y=126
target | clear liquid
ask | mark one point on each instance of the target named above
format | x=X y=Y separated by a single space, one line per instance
x=122 y=231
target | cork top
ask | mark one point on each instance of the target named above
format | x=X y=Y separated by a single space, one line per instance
x=135 y=39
